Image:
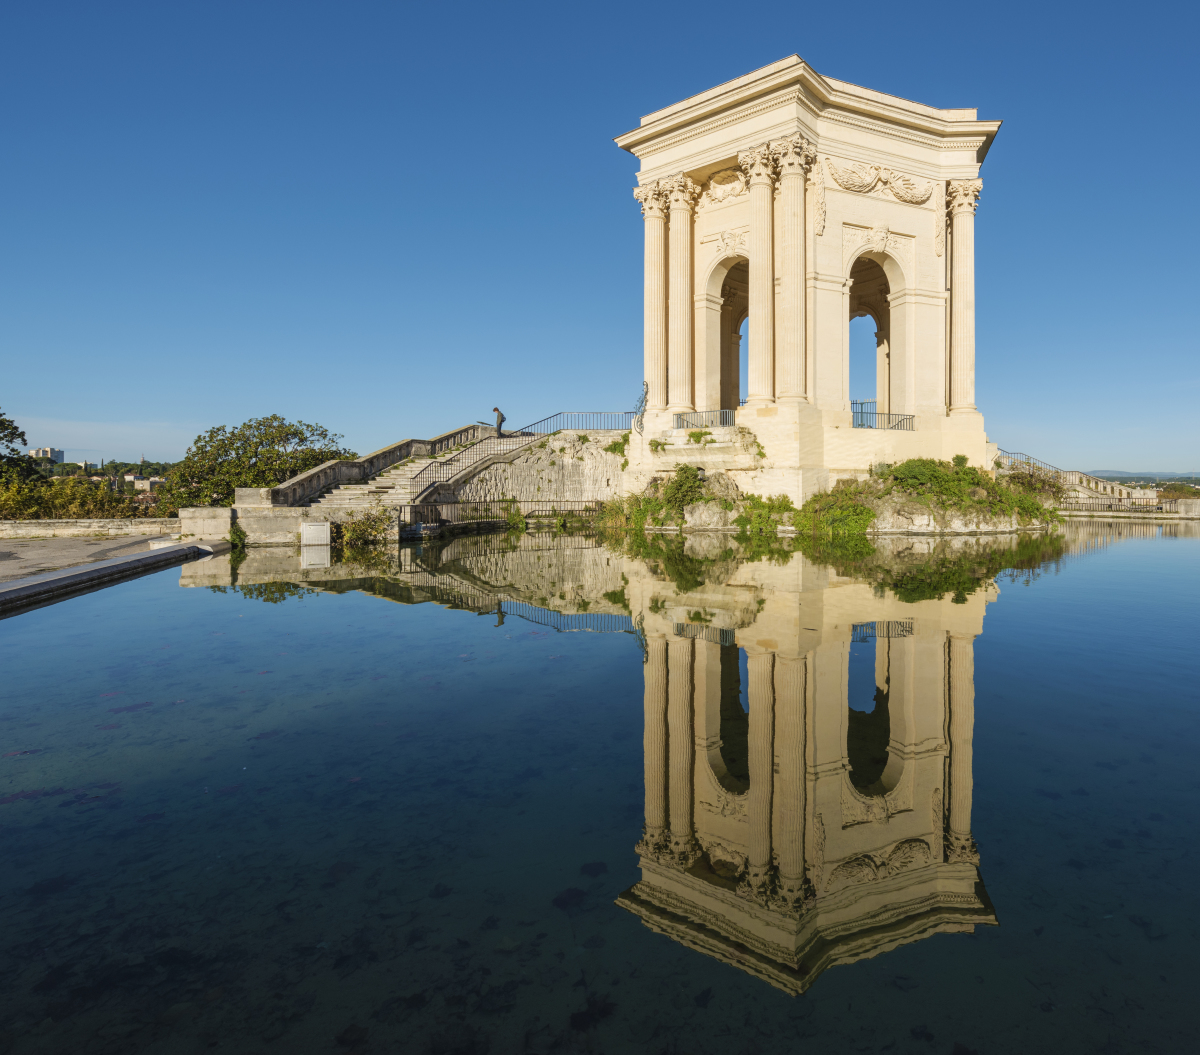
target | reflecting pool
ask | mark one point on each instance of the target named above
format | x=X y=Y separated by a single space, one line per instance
x=562 y=794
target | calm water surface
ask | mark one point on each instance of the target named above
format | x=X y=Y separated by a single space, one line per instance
x=549 y=796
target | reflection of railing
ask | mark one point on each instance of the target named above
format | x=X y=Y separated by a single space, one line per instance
x=1117 y=505
x=492 y=512
x=718 y=635
x=595 y=622
x=704 y=419
x=866 y=417
x=860 y=632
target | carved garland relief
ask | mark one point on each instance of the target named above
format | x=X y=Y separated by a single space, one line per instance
x=862 y=179
x=863 y=868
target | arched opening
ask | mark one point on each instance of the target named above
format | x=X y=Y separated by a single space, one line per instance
x=870 y=326
x=869 y=726
x=735 y=311
x=735 y=718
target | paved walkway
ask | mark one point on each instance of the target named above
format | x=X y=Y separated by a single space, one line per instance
x=20 y=557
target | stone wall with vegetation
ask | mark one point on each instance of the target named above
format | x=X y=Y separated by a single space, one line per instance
x=566 y=467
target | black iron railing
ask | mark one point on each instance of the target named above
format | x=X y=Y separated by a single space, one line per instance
x=867 y=417
x=860 y=632
x=565 y=420
x=718 y=635
x=705 y=419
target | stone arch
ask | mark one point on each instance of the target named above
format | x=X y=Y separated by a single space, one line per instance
x=718 y=345
x=877 y=286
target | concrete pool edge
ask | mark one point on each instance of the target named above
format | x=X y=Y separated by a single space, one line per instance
x=37 y=591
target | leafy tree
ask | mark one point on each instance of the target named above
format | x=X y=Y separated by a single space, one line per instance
x=14 y=466
x=262 y=452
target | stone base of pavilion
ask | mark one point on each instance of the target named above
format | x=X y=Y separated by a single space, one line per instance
x=797 y=449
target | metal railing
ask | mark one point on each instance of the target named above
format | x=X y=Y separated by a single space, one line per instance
x=860 y=632
x=566 y=622
x=581 y=420
x=865 y=416
x=1013 y=461
x=1118 y=505
x=705 y=419
x=718 y=635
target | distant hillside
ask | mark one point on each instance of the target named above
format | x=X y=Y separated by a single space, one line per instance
x=1143 y=475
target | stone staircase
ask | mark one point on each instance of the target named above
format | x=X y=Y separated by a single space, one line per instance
x=398 y=485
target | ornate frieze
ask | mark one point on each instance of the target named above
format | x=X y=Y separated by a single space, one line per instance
x=964 y=194
x=652 y=198
x=816 y=183
x=939 y=218
x=723 y=186
x=864 y=868
x=877 y=240
x=862 y=179
x=731 y=243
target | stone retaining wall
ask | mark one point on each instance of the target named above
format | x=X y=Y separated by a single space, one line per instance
x=560 y=468
x=88 y=528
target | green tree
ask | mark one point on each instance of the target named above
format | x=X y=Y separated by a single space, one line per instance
x=262 y=452
x=14 y=465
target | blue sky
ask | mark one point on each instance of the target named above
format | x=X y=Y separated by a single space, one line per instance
x=387 y=218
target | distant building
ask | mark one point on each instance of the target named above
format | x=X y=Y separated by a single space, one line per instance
x=53 y=453
x=133 y=477
x=142 y=484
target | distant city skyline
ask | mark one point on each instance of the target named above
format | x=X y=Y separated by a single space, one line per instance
x=388 y=220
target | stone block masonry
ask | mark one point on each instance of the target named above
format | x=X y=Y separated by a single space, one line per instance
x=88 y=528
x=562 y=468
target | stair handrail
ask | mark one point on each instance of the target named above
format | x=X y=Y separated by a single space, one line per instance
x=446 y=468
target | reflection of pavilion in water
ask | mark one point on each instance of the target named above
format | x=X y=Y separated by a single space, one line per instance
x=833 y=820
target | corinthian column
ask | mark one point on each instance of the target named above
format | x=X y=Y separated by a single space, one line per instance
x=962 y=198
x=654 y=745
x=962 y=726
x=682 y=193
x=682 y=750
x=760 y=167
x=762 y=773
x=794 y=155
x=789 y=752
x=654 y=210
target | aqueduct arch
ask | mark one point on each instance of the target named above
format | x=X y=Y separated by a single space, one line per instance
x=769 y=198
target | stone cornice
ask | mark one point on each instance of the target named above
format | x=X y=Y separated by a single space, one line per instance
x=793 y=81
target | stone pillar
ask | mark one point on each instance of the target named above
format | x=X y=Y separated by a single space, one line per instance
x=960 y=844
x=962 y=198
x=682 y=193
x=654 y=211
x=681 y=741
x=760 y=167
x=883 y=374
x=654 y=746
x=790 y=786
x=757 y=883
x=794 y=155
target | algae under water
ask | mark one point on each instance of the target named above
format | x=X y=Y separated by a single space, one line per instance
x=533 y=795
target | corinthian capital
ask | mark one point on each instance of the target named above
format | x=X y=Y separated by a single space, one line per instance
x=758 y=164
x=963 y=194
x=793 y=154
x=681 y=191
x=652 y=199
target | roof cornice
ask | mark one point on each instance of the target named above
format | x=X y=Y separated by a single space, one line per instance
x=821 y=96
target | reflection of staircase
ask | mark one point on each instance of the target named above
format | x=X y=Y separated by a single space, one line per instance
x=401 y=484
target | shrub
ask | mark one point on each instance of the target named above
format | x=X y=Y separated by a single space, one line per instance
x=618 y=447
x=362 y=527
x=67 y=498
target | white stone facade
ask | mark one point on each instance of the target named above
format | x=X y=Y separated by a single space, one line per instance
x=799 y=202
